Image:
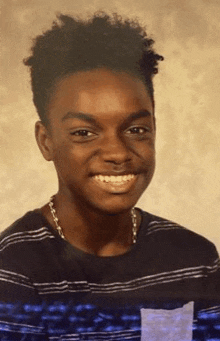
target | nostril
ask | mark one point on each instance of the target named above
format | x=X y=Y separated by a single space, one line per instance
x=118 y=161
x=118 y=168
x=119 y=164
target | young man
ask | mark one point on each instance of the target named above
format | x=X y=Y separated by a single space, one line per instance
x=88 y=265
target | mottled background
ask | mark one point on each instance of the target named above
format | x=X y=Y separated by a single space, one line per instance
x=186 y=185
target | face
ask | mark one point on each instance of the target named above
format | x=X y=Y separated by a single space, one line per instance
x=101 y=139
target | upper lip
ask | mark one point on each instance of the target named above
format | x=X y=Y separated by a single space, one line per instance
x=114 y=173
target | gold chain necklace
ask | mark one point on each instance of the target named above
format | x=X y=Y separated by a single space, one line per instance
x=60 y=231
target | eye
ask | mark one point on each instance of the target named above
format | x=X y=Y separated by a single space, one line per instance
x=82 y=135
x=139 y=133
x=83 y=132
x=137 y=130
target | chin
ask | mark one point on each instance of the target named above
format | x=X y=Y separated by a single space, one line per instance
x=115 y=207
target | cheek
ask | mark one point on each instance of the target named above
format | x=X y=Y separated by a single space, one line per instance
x=64 y=159
x=70 y=161
x=149 y=164
x=146 y=152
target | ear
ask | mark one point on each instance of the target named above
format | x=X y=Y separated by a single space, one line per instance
x=44 y=140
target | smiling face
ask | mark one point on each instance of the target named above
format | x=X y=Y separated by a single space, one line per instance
x=101 y=139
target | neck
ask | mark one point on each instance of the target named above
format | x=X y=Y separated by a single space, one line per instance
x=92 y=231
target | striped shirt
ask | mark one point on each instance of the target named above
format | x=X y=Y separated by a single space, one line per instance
x=50 y=290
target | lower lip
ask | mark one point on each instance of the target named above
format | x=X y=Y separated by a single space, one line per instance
x=116 y=187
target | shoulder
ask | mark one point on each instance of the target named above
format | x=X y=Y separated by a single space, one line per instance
x=27 y=229
x=178 y=239
x=30 y=221
x=24 y=245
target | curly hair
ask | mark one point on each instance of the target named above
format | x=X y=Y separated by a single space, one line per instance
x=73 y=45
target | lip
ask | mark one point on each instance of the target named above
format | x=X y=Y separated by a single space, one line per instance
x=115 y=173
x=116 y=184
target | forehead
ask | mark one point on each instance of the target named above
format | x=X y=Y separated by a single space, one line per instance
x=99 y=91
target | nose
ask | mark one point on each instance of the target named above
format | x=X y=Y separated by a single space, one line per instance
x=115 y=150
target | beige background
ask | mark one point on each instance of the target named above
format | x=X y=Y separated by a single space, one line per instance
x=186 y=185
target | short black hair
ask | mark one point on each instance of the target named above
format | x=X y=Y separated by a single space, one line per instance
x=73 y=44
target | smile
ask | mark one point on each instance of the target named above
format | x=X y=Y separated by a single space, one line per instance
x=116 y=184
x=114 y=179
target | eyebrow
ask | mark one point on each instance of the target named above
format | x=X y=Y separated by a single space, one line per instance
x=89 y=118
x=139 y=114
x=79 y=115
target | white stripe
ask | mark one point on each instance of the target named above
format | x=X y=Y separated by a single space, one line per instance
x=147 y=278
x=20 y=332
x=147 y=285
x=217 y=260
x=17 y=234
x=163 y=225
x=11 y=326
x=20 y=237
x=63 y=338
x=192 y=269
x=13 y=274
x=139 y=283
x=159 y=280
x=60 y=283
x=27 y=236
x=211 y=310
x=17 y=283
x=30 y=239
x=65 y=286
x=15 y=278
x=114 y=335
x=164 y=222
x=156 y=229
x=21 y=325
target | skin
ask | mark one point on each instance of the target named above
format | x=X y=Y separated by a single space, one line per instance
x=100 y=122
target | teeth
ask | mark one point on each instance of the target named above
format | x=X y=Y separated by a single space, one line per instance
x=113 y=178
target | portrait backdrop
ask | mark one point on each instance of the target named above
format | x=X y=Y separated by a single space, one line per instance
x=186 y=184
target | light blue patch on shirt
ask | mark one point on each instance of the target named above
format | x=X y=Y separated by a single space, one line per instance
x=167 y=325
